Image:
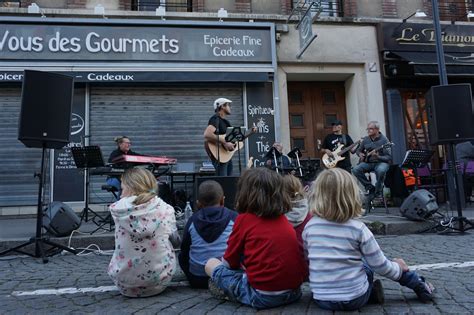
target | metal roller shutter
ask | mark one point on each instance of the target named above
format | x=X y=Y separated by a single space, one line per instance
x=17 y=185
x=165 y=120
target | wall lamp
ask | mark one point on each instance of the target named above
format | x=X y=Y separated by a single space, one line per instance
x=470 y=15
x=161 y=11
x=222 y=14
x=417 y=13
x=99 y=9
x=35 y=9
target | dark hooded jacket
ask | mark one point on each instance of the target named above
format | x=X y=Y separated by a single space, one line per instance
x=205 y=236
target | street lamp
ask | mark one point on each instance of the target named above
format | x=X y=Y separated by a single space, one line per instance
x=417 y=13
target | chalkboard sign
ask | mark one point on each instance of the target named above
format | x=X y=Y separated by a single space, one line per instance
x=68 y=181
x=260 y=113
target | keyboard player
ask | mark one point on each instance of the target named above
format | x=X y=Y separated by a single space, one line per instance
x=123 y=148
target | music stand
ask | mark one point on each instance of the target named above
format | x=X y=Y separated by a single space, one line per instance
x=415 y=159
x=296 y=154
x=87 y=157
x=274 y=154
x=235 y=135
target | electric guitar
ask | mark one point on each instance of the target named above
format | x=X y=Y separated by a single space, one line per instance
x=337 y=155
x=372 y=152
x=220 y=153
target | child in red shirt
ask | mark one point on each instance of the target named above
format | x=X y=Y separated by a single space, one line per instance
x=264 y=264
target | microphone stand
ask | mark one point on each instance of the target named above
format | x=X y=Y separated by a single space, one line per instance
x=218 y=123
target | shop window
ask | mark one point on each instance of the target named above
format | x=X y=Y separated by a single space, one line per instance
x=297 y=121
x=328 y=120
x=296 y=97
x=298 y=143
x=454 y=10
x=169 y=5
x=328 y=7
x=416 y=120
x=329 y=97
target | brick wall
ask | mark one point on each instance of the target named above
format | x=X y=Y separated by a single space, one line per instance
x=76 y=4
x=285 y=6
x=25 y=3
x=198 y=5
x=389 y=8
x=350 y=8
x=243 y=6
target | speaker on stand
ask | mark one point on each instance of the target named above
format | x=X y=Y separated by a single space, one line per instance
x=45 y=121
x=447 y=104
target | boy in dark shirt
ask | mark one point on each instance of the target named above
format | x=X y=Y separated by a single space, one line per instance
x=206 y=233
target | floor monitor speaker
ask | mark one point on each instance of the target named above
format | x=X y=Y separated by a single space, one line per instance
x=450 y=113
x=419 y=205
x=46 y=103
x=229 y=185
x=60 y=220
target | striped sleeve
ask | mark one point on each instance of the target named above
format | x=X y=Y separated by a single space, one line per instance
x=375 y=258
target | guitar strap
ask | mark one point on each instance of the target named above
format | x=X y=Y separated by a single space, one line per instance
x=344 y=140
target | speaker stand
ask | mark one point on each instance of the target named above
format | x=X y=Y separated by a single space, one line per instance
x=448 y=224
x=39 y=240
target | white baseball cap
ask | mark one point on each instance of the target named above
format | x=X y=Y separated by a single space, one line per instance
x=221 y=101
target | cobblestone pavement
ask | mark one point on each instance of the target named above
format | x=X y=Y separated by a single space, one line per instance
x=455 y=286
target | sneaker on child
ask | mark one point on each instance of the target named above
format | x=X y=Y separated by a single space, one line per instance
x=377 y=295
x=424 y=291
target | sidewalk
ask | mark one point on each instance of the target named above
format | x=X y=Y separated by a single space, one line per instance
x=17 y=230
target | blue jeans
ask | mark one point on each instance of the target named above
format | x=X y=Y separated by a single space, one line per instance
x=235 y=285
x=115 y=182
x=223 y=169
x=409 y=279
x=380 y=170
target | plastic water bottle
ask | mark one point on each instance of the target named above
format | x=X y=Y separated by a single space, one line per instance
x=188 y=211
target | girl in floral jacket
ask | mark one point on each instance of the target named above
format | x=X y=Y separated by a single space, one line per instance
x=144 y=261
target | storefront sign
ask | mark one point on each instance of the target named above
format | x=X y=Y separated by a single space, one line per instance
x=421 y=37
x=63 y=168
x=149 y=76
x=260 y=113
x=128 y=43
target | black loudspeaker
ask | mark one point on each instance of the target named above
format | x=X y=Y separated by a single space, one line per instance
x=60 y=220
x=228 y=183
x=419 y=206
x=450 y=113
x=46 y=103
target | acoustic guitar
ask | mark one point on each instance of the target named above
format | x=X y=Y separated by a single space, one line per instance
x=220 y=153
x=337 y=155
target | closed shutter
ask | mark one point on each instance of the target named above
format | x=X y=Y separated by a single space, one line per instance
x=166 y=120
x=18 y=163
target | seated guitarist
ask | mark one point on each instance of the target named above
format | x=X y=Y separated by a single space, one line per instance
x=218 y=125
x=331 y=142
x=377 y=161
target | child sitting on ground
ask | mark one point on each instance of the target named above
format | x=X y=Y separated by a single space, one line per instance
x=144 y=261
x=343 y=254
x=299 y=214
x=263 y=265
x=206 y=233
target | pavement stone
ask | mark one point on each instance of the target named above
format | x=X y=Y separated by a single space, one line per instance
x=454 y=286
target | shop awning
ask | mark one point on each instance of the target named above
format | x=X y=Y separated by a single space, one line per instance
x=425 y=63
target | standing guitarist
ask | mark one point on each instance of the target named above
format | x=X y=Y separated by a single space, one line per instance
x=373 y=160
x=218 y=125
x=331 y=142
